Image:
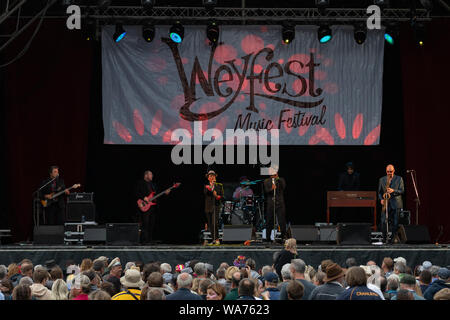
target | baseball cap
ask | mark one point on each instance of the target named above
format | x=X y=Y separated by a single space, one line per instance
x=271 y=277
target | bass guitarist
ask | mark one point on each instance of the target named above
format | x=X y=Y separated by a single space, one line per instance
x=55 y=207
x=146 y=219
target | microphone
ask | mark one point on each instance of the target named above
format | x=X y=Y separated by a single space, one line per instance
x=273 y=180
x=408 y=171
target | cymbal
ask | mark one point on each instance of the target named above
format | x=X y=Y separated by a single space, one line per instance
x=251 y=182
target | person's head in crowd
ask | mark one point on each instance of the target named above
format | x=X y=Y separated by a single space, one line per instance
x=21 y=292
x=350 y=262
x=298 y=267
x=26 y=281
x=81 y=285
x=244 y=273
x=150 y=268
x=371 y=263
x=224 y=265
x=6 y=286
x=86 y=264
x=400 y=259
x=115 y=268
x=334 y=273
x=108 y=288
x=393 y=282
x=155 y=279
x=426 y=265
x=99 y=266
x=154 y=294
x=230 y=271
x=236 y=279
x=443 y=294
x=295 y=290
x=246 y=288
x=324 y=264
x=408 y=282
x=215 y=291
x=200 y=270
x=383 y=283
x=425 y=277
x=165 y=268
x=251 y=263
x=60 y=290
x=3 y=271
x=99 y=295
x=93 y=277
x=132 y=279
x=203 y=286
x=13 y=269
x=285 y=272
x=184 y=280
x=291 y=245
x=220 y=273
x=271 y=280
x=387 y=265
x=319 y=278
x=129 y=265
x=355 y=277
x=27 y=269
x=104 y=260
x=56 y=273
x=266 y=269
x=41 y=276
x=310 y=272
x=404 y=294
x=399 y=268
x=434 y=272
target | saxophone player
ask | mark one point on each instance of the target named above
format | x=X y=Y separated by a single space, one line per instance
x=390 y=191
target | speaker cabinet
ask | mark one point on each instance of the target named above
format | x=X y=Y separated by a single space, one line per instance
x=328 y=234
x=305 y=233
x=353 y=233
x=76 y=210
x=236 y=233
x=122 y=234
x=413 y=234
x=48 y=235
x=94 y=234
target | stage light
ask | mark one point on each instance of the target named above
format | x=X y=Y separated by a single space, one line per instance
x=89 y=30
x=120 y=33
x=103 y=4
x=360 y=33
x=212 y=32
x=381 y=3
x=147 y=4
x=288 y=33
x=389 y=35
x=419 y=33
x=209 y=3
x=322 y=5
x=324 y=34
x=148 y=31
x=176 y=32
x=427 y=4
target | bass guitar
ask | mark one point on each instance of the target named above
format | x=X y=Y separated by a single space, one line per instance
x=144 y=205
x=46 y=202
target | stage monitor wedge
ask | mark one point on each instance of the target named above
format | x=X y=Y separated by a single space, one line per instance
x=353 y=233
x=236 y=233
x=51 y=235
x=413 y=234
x=122 y=234
x=305 y=233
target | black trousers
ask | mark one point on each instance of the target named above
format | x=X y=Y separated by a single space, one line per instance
x=280 y=211
x=392 y=221
x=55 y=214
x=212 y=219
x=147 y=221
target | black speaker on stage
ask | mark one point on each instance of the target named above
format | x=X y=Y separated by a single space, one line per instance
x=353 y=233
x=94 y=234
x=76 y=210
x=328 y=234
x=413 y=234
x=48 y=235
x=236 y=233
x=122 y=234
x=305 y=233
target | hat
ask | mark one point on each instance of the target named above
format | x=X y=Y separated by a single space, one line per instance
x=271 y=277
x=408 y=279
x=167 y=277
x=73 y=269
x=211 y=172
x=426 y=265
x=81 y=280
x=103 y=258
x=333 y=271
x=114 y=263
x=179 y=267
x=132 y=279
x=400 y=259
x=239 y=261
x=444 y=273
x=49 y=264
x=367 y=270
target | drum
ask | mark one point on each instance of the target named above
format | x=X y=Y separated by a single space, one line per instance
x=237 y=217
x=228 y=207
x=248 y=201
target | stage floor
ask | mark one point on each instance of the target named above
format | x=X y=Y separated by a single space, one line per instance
x=215 y=254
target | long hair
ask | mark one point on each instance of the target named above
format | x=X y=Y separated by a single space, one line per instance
x=60 y=290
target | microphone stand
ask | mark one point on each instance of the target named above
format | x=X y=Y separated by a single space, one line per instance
x=36 y=216
x=417 y=199
x=274 y=214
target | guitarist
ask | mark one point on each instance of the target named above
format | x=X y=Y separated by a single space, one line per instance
x=391 y=187
x=146 y=219
x=55 y=210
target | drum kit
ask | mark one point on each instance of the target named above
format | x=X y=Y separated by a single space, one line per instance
x=246 y=209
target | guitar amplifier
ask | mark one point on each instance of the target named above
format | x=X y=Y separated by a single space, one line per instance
x=80 y=197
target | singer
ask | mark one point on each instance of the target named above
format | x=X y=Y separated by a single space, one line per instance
x=274 y=189
x=390 y=190
x=213 y=200
x=55 y=208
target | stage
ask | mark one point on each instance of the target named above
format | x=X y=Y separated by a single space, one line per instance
x=215 y=254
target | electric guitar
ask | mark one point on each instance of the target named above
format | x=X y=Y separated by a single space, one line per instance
x=144 y=206
x=46 y=202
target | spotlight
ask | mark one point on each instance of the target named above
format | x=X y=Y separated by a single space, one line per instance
x=427 y=4
x=89 y=30
x=324 y=34
x=176 y=32
x=360 y=33
x=288 y=33
x=120 y=33
x=148 y=31
x=419 y=33
x=209 y=3
x=381 y=3
x=103 y=4
x=147 y=4
x=322 y=5
x=212 y=32
x=389 y=35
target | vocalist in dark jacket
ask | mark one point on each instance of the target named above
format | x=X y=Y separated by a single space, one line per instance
x=275 y=185
x=213 y=200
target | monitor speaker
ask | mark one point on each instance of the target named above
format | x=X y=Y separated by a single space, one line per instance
x=77 y=210
x=236 y=233
x=305 y=233
x=328 y=234
x=94 y=234
x=353 y=233
x=48 y=235
x=413 y=234
x=122 y=234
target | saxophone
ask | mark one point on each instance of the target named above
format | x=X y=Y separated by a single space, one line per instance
x=386 y=195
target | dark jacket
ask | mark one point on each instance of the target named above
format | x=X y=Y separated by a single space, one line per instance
x=183 y=294
x=284 y=257
x=279 y=193
x=436 y=286
x=397 y=184
x=308 y=289
x=327 y=291
x=210 y=201
x=358 y=293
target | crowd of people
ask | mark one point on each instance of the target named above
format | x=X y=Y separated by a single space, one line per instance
x=289 y=278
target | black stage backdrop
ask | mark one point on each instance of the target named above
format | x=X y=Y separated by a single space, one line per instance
x=52 y=99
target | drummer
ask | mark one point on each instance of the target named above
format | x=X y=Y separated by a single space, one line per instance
x=243 y=190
